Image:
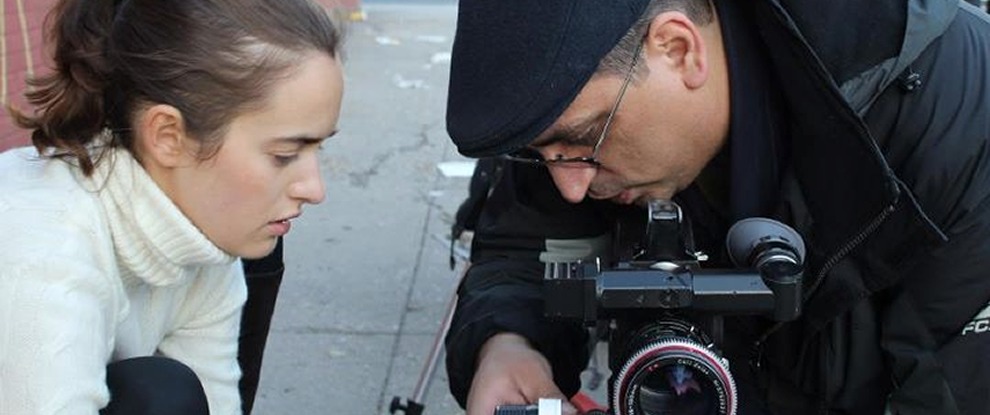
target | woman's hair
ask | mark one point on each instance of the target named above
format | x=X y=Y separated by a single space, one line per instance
x=211 y=59
x=701 y=12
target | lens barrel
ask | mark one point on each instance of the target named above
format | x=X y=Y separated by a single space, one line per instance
x=671 y=368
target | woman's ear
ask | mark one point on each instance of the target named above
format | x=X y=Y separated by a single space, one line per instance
x=162 y=136
x=677 y=43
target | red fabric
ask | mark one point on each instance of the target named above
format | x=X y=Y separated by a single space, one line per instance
x=584 y=403
x=21 y=55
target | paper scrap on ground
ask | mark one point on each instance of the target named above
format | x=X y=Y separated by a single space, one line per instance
x=431 y=38
x=403 y=83
x=441 y=57
x=457 y=168
x=386 y=40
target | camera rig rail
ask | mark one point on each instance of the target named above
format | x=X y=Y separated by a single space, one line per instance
x=769 y=256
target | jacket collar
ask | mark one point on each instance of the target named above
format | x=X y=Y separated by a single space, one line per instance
x=845 y=180
x=847 y=189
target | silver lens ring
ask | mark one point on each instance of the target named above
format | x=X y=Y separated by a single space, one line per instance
x=665 y=353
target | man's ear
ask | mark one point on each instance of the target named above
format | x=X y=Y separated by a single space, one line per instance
x=162 y=135
x=674 y=41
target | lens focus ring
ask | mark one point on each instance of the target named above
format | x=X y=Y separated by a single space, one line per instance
x=671 y=374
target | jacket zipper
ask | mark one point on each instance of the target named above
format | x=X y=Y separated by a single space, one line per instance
x=834 y=259
x=820 y=276
x=848 y=247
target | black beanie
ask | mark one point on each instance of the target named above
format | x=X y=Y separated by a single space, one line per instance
x=517 y=64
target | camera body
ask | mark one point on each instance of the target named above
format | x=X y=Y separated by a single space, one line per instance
x=664 y=312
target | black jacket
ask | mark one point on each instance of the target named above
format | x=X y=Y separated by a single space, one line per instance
x=887 y=177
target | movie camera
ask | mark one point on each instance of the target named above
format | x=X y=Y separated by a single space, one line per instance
x=663 y=313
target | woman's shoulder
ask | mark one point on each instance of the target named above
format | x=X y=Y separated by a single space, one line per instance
x=44 y=200
x=32 y=181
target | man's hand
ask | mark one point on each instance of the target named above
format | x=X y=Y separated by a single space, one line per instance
x=511 y=372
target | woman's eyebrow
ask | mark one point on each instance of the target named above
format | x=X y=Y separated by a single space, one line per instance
x=303 y=140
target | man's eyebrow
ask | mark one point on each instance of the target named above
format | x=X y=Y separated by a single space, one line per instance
x=574 y=134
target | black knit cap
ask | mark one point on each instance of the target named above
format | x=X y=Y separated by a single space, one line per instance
x=517 y=64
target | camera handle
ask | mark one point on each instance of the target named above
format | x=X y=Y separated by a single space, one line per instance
x=545 y=406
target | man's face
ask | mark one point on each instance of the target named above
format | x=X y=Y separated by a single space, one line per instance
x=672 y=119
x=244 y=197
x=661 y=136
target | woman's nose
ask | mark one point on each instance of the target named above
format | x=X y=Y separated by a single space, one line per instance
x=309 y=188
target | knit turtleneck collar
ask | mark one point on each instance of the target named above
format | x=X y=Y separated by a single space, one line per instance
x=155 y=243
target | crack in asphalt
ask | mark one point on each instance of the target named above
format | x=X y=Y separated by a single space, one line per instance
x=363 y=178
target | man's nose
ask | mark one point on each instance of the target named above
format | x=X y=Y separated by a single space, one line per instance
x=572 y=181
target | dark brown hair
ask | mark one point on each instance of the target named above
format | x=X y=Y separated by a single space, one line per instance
x=210 y=59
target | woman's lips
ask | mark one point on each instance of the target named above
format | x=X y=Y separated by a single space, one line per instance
x=280 y=227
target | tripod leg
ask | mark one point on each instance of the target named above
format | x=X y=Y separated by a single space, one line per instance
x=414 y=405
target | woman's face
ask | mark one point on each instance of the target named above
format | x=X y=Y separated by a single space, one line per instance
x=245 y=196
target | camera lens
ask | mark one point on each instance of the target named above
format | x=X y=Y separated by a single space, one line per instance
x=673 y=374
x=675 y=390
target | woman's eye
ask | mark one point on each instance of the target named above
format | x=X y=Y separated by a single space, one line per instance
x=285 y=159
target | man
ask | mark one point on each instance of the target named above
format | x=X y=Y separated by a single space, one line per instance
x=864 y=125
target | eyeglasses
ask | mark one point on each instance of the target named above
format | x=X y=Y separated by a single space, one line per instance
x=531 y=156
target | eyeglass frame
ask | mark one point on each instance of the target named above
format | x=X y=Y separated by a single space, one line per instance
x=591 y=161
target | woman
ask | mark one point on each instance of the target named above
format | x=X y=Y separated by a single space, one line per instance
x=171 y=139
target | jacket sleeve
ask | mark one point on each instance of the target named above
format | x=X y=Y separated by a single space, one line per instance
x=205 y=338
x=502 y=291
x=934 y=329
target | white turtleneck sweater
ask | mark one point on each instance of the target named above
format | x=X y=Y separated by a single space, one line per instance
x=95 y=270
